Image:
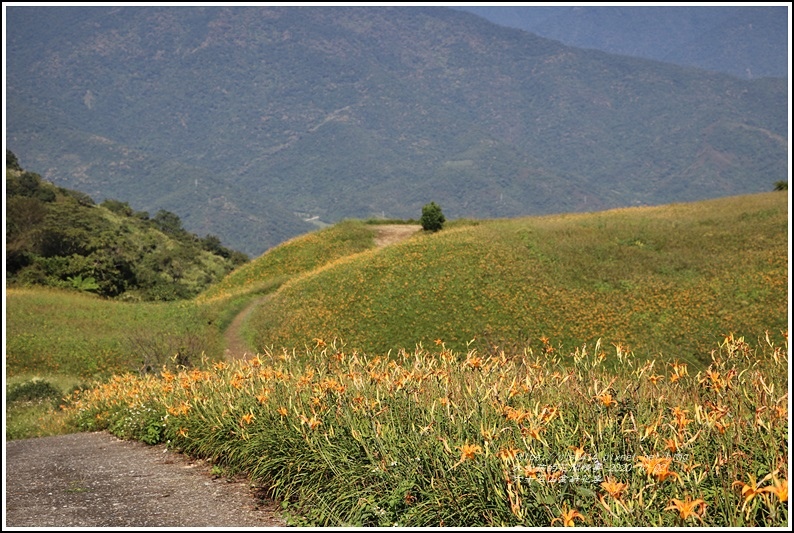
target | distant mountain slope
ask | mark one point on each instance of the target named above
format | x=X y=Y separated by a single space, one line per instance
x=745 y=41
x=245 y=121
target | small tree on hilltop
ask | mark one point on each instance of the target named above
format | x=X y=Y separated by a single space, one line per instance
x=432 y=217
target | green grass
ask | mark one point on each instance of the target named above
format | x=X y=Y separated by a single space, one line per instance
x=298 y=255
x=668 y=280
x=51 y=332
x=59 y=332
x=35 y=412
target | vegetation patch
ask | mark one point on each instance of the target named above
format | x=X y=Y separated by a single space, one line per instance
x=35 y=390
x=60 y=238
x=299 y=255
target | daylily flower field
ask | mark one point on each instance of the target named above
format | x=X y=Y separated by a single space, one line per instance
x=589 y=437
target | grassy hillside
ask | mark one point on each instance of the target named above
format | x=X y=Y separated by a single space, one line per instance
x=592 y=435
x=672 y=279
x=300 y=254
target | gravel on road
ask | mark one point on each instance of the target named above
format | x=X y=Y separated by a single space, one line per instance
x=98 y=480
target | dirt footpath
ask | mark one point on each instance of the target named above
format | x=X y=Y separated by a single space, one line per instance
x=387 y=234
x=97 y=480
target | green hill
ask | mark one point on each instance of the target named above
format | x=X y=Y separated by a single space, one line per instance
x=59 y=237
x=672 y=279
x=300 y=254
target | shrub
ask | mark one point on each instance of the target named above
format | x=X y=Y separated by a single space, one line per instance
x=35 y=390
x=432 y=217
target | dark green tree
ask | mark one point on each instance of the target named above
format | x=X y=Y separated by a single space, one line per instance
x=168 y=223
x=432 y=217
x=11 y=161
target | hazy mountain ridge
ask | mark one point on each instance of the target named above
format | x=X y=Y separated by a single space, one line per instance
x=236 y=118
x=745 y=41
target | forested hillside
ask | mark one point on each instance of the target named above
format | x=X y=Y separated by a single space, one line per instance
x=59 y=237
x=248 y=122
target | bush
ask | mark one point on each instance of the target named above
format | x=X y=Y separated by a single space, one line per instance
x=35 y=390
x=432 y=217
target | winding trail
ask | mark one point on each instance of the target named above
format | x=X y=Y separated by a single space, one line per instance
x=237 y=347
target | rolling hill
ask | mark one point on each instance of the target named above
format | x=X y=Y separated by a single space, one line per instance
x=670 y=280
x=249 y=121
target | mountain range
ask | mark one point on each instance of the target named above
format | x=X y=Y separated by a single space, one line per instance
x=749 y=41
x=256 y=124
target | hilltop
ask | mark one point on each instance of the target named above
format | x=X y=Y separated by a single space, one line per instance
x=250 y=122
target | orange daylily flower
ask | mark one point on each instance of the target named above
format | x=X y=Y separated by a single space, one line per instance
x=779 y=488
x=657 y=467
x=749 y=490
x=533 y=432
x=312 y=422
x=721 y=427
x=282 y=411
x=688 y=508
x=508 y=454
x=468 y=451
x=679 y=371
x=578 y=452
x=247 y=418
x=553 y=475
x=671 y=445
x=532 y=472
x=515 y=415
x=567 y=517
x=614 y=488
x=607 y=399
x=474 y=362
